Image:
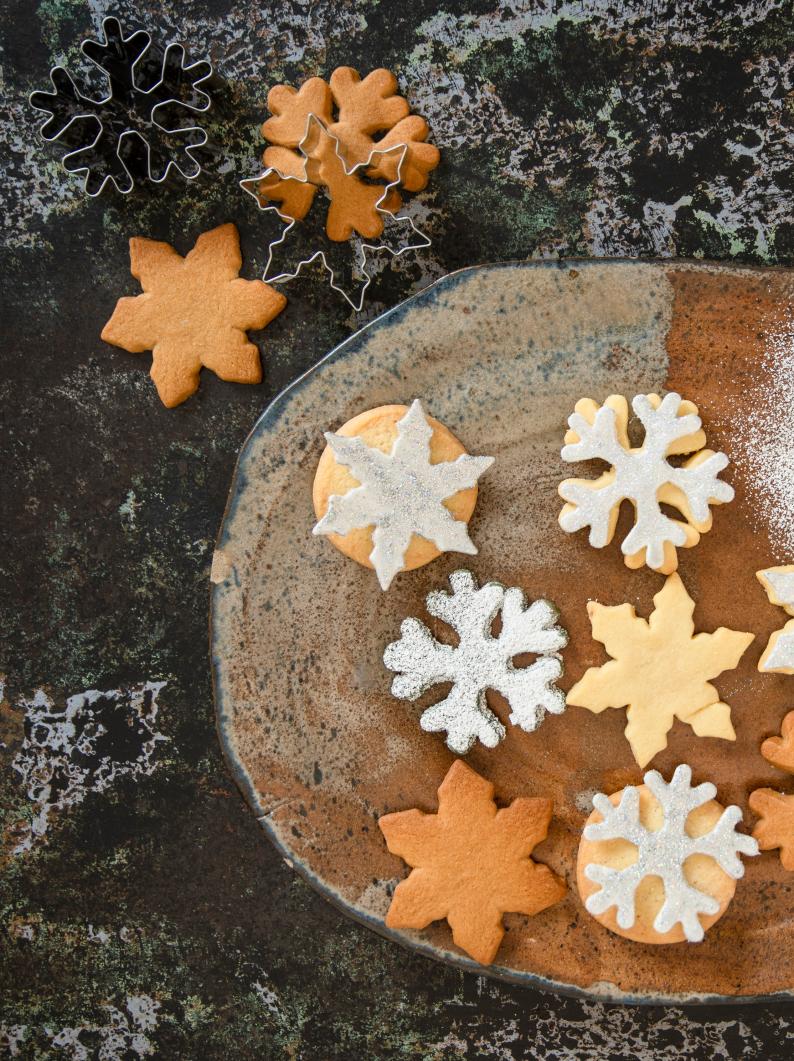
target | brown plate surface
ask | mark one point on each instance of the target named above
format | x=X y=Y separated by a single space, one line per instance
x=500 y=354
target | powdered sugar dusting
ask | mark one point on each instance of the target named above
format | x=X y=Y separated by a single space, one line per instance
x=764 y=446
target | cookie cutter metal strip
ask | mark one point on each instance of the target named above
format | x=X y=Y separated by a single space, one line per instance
x=60 y=78
x=250 y=184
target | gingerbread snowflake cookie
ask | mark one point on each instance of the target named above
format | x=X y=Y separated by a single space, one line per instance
x=355 y=206
x=471 y=862
x=775 y=827
x=364 y=115
x=778 y=656
x=775 y=810
x=660 y=670
x=659 y=863
x=395 y=488
x=779 y=751
x=194 y=311
x=481 y=661
x=643 y=475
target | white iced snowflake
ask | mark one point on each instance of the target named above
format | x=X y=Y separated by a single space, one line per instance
x=480 y=661
x=663 y=853
x=779 y=585
x=401 y=494
x=643 y=475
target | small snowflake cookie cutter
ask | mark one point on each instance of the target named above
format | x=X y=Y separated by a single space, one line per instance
x=662 y=853
x=481 y=661
x=146 y=82
x=390 y=241
x=644 y=476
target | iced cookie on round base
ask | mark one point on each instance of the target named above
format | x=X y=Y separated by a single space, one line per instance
x=394 y=489
x=658 y=863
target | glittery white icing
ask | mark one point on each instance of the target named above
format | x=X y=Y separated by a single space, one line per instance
x=638 y=475
x=401 y=494
x=779 y=585
x=480 y=661
x=662 y=853
x=782 y=654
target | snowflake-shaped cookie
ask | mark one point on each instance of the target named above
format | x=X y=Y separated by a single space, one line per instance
x=346 y=136
x=194 y=311
x=663 y=853
x=480 y=661
x=401 y=494
x=778 y=655
x=660 y=670
x=775 y=828
x=369 y=114
x=358 y=209
x=776 y=809
x=643 y=475
x=779 y=751
x=494 y=845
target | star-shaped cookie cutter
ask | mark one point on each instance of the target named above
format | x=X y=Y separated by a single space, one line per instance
x=143 y=79
x=392 y=222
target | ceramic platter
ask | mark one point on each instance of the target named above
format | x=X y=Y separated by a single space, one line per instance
x=500 y=354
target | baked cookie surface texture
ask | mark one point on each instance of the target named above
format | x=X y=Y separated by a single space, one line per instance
x=194 y=312
x=660 y=670
x=643 y=475
x=471 y=862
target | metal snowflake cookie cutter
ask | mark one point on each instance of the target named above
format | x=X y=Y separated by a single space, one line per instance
x=663 y=852
x=392 y=222
x=481 y=661
x=144 y=81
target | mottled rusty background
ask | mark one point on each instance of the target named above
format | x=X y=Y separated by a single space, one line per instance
x=143 y=914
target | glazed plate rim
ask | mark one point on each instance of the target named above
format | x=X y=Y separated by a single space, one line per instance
x=601 y=991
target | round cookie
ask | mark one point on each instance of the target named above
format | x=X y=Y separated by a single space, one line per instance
x=700 y=870
x=378 y=429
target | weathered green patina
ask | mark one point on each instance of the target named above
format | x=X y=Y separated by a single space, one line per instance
x=143 y=913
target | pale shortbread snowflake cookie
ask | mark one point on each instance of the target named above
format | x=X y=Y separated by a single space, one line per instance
x=394 y=489
x=660 y=670
x=642 y=475
x=659 y=863
x=778 y=656
x=481 y=661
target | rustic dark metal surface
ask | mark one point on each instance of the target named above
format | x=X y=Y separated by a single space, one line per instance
x=142 y=912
